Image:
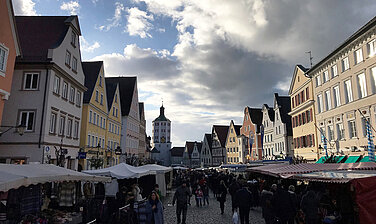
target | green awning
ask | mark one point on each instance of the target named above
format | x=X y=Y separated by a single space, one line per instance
x=365 y=159
x=322 y=159
x=352 y=159
x=338 y=159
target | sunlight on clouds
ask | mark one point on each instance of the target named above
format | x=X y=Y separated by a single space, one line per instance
x=115 y=20
x=87 y=47
x=72 y=7
x=138 y=23
x=24 y=8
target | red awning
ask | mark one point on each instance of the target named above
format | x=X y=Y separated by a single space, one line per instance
x=286 y=171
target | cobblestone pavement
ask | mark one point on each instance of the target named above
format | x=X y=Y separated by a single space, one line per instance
x=207 y=214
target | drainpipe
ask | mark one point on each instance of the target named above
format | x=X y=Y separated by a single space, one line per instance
x=43 y=111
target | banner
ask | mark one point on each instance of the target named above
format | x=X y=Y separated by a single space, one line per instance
x=323 y=140
x=371 y=146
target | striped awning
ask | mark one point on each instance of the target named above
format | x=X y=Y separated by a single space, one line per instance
x=291 y=170
x=352 y=159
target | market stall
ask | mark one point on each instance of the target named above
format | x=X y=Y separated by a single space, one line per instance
x=160 y=178
x=41 y=193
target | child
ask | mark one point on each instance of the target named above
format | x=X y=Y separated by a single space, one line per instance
x=199 y=194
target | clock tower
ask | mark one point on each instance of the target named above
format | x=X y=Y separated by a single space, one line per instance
x=161 y=141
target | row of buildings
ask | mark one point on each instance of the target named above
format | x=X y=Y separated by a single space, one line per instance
x=327 y=112
x=54 y=108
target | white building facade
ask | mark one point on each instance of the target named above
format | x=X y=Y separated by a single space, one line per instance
x=161 y=137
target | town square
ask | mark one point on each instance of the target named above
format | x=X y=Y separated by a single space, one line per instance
x=187 y=111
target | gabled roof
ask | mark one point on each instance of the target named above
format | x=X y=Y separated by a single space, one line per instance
x=221 y=131
x=270 y=112
x=110 y=91
x=141 y=109
x=189 y=146
x=37 y=34
x=199 y=146
x=237 y=129
x=91 y=71
x=177 y=151
x=155 y=150
x=256 y=115
x=300 y=67
x=285 y=108
x=126 y=87
x=209 y=140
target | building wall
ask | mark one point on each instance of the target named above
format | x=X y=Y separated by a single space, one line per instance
x=206 y=157
x=282 y=141
x=7 y=43
x=232 y=147
x=218 y=152
x=133 y=126
x=268 y=144
x=332 y=116
x=113 y=134
x=304 y=130
x=248 y=129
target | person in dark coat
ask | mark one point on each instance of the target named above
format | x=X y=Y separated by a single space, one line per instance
x=310 y=205
x=154 y=209
x=205 y=190
x=294 y=205
x=222 y=192
x=282 y=204
x=266 y=205
x=181 y=197
x=233 y=188
x=243 y=201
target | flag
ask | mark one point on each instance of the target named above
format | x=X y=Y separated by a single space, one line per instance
x=262 y=139
x=371 y=146
x=323 y=140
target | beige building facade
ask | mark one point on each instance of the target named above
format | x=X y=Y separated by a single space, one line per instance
x=232 y=146
x=345 y=92
x=303 y=116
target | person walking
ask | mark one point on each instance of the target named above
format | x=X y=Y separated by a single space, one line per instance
x=233 y=188
x=199 y=195
x=266 y=205
x=243 y=201
x=294 y=205
x=310 y=205
x=181 y=197
x=222 y=192
x=205 y=191
x=154 y=210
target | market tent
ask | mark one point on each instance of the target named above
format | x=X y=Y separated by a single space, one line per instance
x=352 y=159
x=122 y=171
x=291 y=170
x=341 y=176
x=179 y=168
x=14 y=176
x=365 y=159
x=339 y=159
x=160 y=177
x=322 y=159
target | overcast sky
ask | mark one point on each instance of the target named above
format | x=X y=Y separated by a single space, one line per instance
x=207 y=59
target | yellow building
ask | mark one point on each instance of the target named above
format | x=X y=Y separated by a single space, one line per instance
x=232 y=146
x=113 y=132
x=94 y=118
x=303 y=116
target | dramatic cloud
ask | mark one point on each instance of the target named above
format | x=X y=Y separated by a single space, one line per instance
x=72 y=7
x=230 y=54
x=24 y=8
x=138 y=23
x=86 y=46
x=115 y=20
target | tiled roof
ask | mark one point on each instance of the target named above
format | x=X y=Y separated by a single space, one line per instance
x=110 y=91
x=141 y=109
x=285 y=107
x=37 y=34
x=91 y=71
x=126 y=87
x=190 y=146
x=177 y=151
x=237 y=129
x=303 y=68
x=256 y=115
x=209 y=139
x=221 y=131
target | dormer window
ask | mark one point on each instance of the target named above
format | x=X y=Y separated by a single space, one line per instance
x=73 y=41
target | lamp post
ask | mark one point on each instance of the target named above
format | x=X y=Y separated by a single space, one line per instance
x=20 y=129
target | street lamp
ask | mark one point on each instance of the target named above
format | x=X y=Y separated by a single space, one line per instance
x=20 y=129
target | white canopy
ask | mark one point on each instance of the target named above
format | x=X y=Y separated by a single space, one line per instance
x=122 y=171
x=179 y=168
x=14 y=176
x=157 y=168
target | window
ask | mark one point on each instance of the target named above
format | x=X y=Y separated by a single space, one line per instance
x=115 y=98
x=88 y=140
x=56 y=84
x=358 y=55
x=53 y=123
x=116 y=114
x=31 y=81
x=73 y=41
x=74 y=64
x=104 y=123
x=362 y=85
x=334 y=71
x=65 y=90
x=78 y=99
x=330 y=133
x=364 y=125
x=372 y=48
x=97 y=119
x=328 y=102
x=345 y=64
x=67 y=58
x=352 y=129
x=27 y=120
x=72 y=94
x=96 y=95
x=101 y=122
x=348 y=91
x=113 y=112
x=61 y=125
x=90 y=115
x=319 y=103
x=318 y=80
x=337 y=97
x=3 y=58
x=76 y=128
x=307 y=93
x=100 y=81
x=69 y=127
x=94 y=118
x=326 y=76
x=308 y=116
x=101 y=99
